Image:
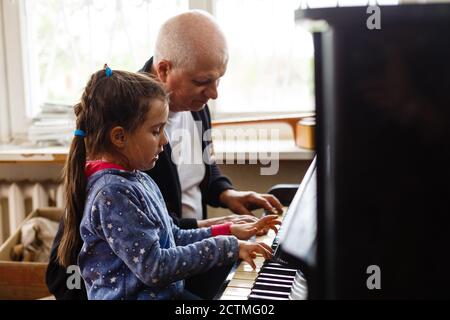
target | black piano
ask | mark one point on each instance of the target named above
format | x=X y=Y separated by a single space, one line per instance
x=282 y=277
x=371 y=219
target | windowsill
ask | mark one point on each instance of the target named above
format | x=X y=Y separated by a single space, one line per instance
x=239 y=116
x=260 y=150
x=19 y=154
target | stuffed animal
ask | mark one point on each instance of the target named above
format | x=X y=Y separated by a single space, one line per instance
x=37 y=236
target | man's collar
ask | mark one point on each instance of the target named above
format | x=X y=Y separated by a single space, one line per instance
x=147 y=66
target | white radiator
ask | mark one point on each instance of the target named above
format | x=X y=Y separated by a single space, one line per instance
x=20 y=198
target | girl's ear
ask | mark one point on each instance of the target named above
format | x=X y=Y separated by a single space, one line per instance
x=118 y=136
x=162 y=70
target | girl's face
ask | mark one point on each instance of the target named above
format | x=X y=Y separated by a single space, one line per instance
x=146 y=142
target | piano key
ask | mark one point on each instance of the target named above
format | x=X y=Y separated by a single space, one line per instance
x=240 y=283
x=277 y=271
x=271 y=287
x=271 y=293
x=273 y=264
x=298 y=290
x=274 y=275
x=232 y=291
x=268 y=283
x=270 y=267
x=298 y=294
x=259 y=260
x=227 y=297
x=296 y=286
x=264 y=297
x=245 y=275
x=272 y=280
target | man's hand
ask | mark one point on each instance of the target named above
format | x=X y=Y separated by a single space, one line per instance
x=247 y=230
x=233 y=218
x=242 y=202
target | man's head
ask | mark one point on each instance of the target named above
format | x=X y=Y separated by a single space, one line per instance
x=191 y=55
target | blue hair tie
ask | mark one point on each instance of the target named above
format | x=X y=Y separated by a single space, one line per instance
x=108 y=71
x=79 y=133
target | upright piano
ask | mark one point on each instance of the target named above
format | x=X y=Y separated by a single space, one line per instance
x=383 y=177
x=284 y=277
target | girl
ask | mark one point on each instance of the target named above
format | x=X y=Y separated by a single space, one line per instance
x=130 y=247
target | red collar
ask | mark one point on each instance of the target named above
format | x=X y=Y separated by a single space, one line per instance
x=98 y=165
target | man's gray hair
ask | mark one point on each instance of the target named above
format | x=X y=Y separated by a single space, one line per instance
x=187 y=37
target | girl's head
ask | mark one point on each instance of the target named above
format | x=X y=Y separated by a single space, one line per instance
x=118 y=113
x=122 y=115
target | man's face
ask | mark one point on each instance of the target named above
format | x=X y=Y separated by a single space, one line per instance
x=190 y=90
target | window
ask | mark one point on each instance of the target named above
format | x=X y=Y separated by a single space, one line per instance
x=69 y=40
x=271 y=59
x=48 y=49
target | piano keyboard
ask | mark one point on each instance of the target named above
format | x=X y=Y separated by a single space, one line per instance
x=270 y=280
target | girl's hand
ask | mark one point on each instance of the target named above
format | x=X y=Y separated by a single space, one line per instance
x=245 y=231
x=249 y=250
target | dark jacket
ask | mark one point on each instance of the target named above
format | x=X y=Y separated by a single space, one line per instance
x=166 y=177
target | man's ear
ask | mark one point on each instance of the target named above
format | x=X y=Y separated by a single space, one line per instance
x=118 y=136
x=162 y=69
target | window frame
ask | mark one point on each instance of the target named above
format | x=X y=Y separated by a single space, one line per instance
x=15 y=78
x=4 y=110
x=15 y=82
x=16 y=96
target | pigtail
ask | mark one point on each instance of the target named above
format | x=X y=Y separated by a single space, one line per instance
x=75 y=195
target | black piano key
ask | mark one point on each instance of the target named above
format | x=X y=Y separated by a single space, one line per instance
x=273 y=264
x=270 y=293
x=276 y=276
x=275 y=280
x=272 y=287
x=254 y=296
x=277 y=266
x=279 y=271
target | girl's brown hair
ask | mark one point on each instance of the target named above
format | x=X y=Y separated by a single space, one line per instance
x=120 y=99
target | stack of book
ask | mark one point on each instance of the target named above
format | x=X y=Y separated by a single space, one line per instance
x=54 y=125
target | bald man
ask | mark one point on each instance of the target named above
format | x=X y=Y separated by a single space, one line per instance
x=191 y=56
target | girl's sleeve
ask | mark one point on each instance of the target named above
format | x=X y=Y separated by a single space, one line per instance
x=187 y=236
x=134 y=237
x=182 y=236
